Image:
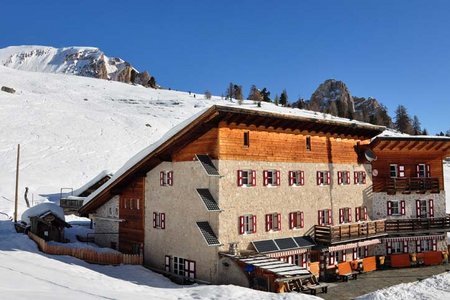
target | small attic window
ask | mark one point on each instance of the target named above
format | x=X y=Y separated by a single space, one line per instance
x=246 y=139
x=308 y=143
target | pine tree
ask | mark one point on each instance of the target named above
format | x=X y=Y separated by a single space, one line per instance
x=265 y=95
x=276 y=100
x=237 y=92
x=255 y=94
x=229 y=91
x=425 y=131
x=403 y=120
x=416 y=125
x=283 y=98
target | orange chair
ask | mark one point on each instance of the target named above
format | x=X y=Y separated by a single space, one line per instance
x=345 y=271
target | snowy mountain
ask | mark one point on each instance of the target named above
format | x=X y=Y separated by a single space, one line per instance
x=81 y=61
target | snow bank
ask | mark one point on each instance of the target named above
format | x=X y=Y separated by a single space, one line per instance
x=41 y=208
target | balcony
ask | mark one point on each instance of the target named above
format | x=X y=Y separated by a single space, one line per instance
x=407 y=185
x=329 y=235
x=423 y=225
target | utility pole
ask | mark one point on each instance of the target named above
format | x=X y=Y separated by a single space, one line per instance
x=17 y=184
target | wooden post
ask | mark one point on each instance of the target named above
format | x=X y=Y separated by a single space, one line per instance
x=17 y=184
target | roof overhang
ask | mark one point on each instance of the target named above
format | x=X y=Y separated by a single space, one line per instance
x=430 y=144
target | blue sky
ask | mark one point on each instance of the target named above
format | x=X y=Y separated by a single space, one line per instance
x=395 y=51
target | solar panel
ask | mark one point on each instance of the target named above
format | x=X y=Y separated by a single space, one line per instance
x=208 y=234
x=286 y=243
x=208 y=199
x=303 y=242
x=265 y=246
x=207 y=164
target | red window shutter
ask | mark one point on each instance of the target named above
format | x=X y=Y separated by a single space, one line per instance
x=434 y=244
x=355 y=177
x=268 y=222
x=161 y=178
x=363 y=177
x=278 y=177
x=328 y=177
x=366 y=251
x=265 y=178
x=348 y=177
x=279 y=221
x=388 y=247
x=319 y=177
x=320 y=217
x=418 y=208
x=428 y=170
x=302 y=220
x=417 y=171
x=357 y=214
x=254 y=223
x=170 y=178
x=163 y=220
x=389 y=208
x=330 y=217
x=402 y=207
x=291 y=178
x=365 y=213
x=354 y=253
x=339 y=173
x=418 y=248
x=344 y=255
x=341 y=215
x=302 y=177
x=332 y=257
x=154 y=219
x=239 y=178
x=241 y=225
x=253 y=178
x=291 y=220
x=349 y=210
x=405 y=246
x=431 y=204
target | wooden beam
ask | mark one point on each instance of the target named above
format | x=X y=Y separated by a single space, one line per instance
x=430 y=145
x=420 y=146
x=413 y=145
x=393 y=145
x=403 y=145
x=383 y=145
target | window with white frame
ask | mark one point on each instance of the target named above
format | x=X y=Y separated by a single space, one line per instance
x=345 y=215
x=361 y=213
x=273 y=222
x=271 y=177
x=159 y=220
x=296 y=220
x=296 y=178
x=166 y=178
x=363 y=252
x=393 y=170
x=323 y=178
x=396 y=208
x=184 y=267
x=343 y=177
x=359 y=177
x=325 y=217
x=397 y=247
x=423 y=170
x=246 y=178
x=247 y=224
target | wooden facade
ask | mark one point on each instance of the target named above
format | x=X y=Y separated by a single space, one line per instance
x=131 y=209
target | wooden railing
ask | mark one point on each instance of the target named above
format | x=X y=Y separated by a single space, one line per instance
x=414 y=225
x=412 y=184
x=88 y=255
x=347 y=232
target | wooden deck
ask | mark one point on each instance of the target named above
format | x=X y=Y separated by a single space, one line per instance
x=407 y=185
x=329 y=235
x=425 y=225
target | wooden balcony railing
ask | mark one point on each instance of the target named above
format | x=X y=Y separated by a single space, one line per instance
x=329 y=235
x=412 y=184
x=418 y=225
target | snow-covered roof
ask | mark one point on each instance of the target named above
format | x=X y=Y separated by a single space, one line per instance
x=287 y=113
x=41 y=209
x=91 y=182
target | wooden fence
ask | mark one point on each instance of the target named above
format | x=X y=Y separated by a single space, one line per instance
x=88 y=255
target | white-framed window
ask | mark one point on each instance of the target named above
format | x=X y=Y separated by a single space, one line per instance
x=426 y=245
x=184 y=267
x=397 y=247
x=359 y=177
x=323 y=177
x=273 y=222
x=247 y=224
x=246 y=178
x=166 y=178
x=363 y=252
x=296 y=220
x=396 y=208
x=361 y=213
x=343 y=177
x=397 y=170
x=325 y=217
x=345 y=215
x=271 y=177
x=296 y=178
x=159 y=220
x=423 y=170
x=424 y=208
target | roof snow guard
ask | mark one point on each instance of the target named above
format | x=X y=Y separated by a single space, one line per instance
x=208 y=234
x=200 y=123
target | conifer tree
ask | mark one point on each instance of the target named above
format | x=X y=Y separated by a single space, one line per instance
x=265 y=95
x=403 y=120
x=255 y=94
x=276 y=100
x=283 y=98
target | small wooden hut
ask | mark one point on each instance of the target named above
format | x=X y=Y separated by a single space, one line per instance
x=48 y=226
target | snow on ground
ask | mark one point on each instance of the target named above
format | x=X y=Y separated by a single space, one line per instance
x=26 y=273
x=436 y=287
